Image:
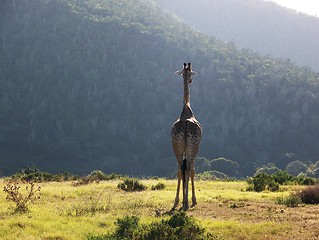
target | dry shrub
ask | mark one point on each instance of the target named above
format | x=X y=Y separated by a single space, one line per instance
x=309 y=195
x=21 y=200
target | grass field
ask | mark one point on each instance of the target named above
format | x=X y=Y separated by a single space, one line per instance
x=224 y=208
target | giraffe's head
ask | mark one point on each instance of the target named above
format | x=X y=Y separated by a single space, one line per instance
x=186 y=73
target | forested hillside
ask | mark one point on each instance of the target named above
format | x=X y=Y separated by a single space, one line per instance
x=89 y=84
x=260 y=25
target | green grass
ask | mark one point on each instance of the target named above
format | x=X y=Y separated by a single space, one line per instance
x=224 y=208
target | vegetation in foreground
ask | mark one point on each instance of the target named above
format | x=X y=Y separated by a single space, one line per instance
x=102 y=210
x=178 y=226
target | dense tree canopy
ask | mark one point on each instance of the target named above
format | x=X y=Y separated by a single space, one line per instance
x=89 y=85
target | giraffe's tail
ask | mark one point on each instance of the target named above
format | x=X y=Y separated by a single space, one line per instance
x=184 y=166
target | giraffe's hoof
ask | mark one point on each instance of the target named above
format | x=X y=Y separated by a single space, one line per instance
x=175 y=206
x=185 y=208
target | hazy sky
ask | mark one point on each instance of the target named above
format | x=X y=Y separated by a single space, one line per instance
x=310 y=7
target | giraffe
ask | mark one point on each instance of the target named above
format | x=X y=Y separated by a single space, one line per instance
x=186 y=136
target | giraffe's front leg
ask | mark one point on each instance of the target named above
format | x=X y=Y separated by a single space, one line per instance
x=179 y=178
x=194 y=202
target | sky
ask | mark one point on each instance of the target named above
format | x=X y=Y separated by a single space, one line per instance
x=310 y=7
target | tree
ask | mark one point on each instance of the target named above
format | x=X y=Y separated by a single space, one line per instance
x=226 y=166
x=269 y=168
x=296 y=167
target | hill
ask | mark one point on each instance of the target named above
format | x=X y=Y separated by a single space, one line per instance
x=89 y=85
x=260 y=25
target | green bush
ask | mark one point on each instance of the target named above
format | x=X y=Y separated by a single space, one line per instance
x=131 y=185
x=304 y=180
x=178 y=226
x=97 y=176
x=282 y=177
x=273 y=186
x=290 y=201
x=38 y=177
x=33 y=174
x=262 y=182
x=159 y=186
x=126 y=226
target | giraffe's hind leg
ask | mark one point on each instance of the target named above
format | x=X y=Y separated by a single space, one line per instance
x=179 y=178
x=194 y=201
x=185 y=189
x=193 y=140
x=178 y=143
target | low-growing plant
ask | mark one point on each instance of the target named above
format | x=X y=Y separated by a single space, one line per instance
x=290 y=201
x=125 y=227
x=89 y=208
x=309 y=195
x=131 y=185
x=86 y=210
x=159 y=186
x=178 y=226
x=13 y=191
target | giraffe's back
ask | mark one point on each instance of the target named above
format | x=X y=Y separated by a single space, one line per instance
x=186 y=136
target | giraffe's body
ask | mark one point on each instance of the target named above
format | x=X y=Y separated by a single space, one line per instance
x=186 y=136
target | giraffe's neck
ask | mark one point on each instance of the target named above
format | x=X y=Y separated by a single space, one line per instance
x=187 y=112
x=186 y=93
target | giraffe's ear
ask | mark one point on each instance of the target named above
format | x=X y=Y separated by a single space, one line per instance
x=178 y=73
x=194 y=73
